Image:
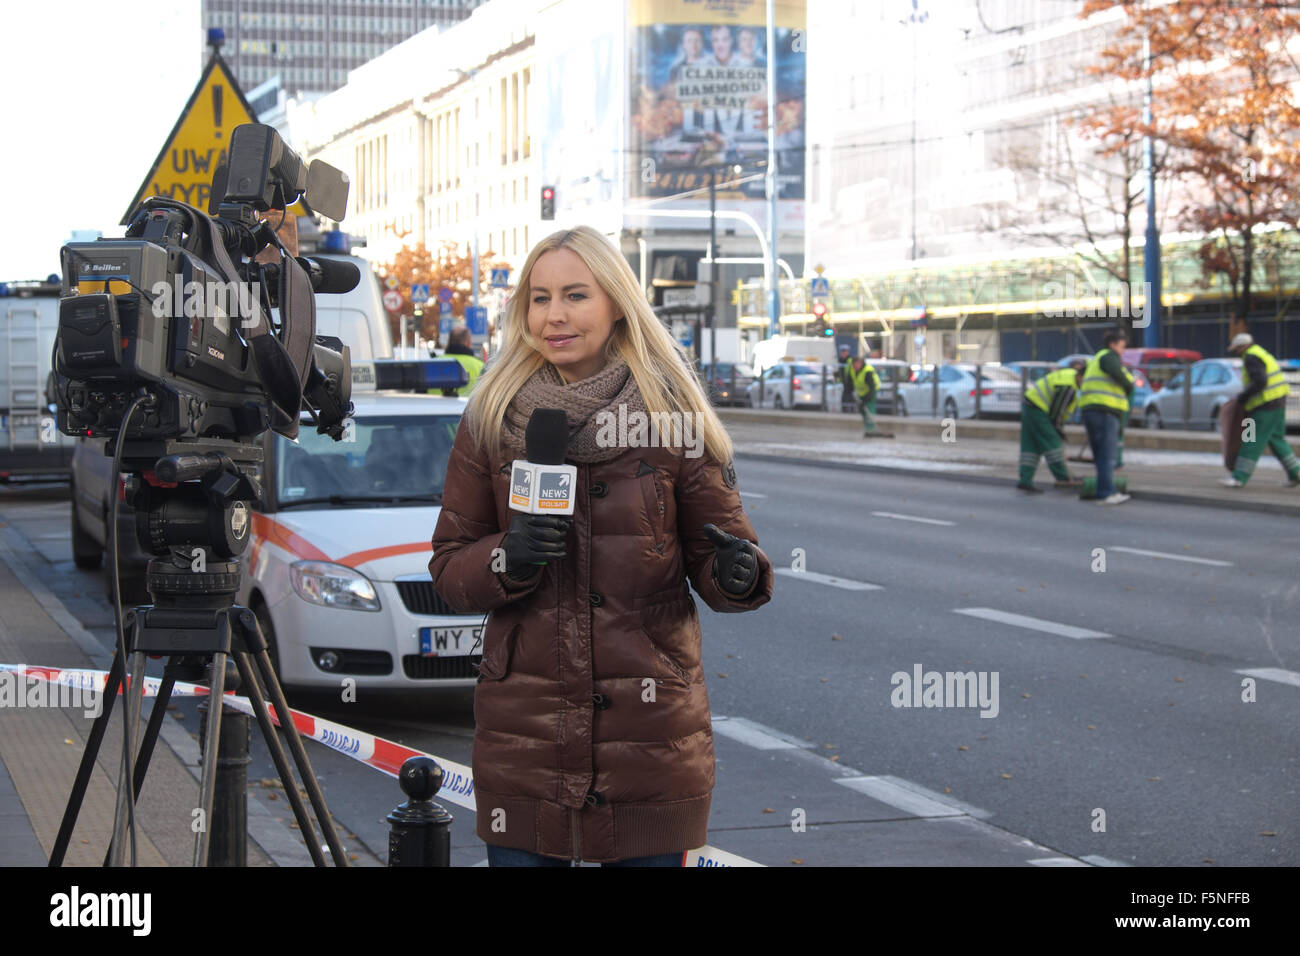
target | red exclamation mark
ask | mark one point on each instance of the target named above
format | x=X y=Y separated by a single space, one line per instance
x=216 y=108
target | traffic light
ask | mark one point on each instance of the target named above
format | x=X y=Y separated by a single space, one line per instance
x=823 y=326
x=548 y=202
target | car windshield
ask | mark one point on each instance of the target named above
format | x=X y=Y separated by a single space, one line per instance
x=392 y=459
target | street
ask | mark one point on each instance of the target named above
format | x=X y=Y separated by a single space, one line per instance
x=1117 y=733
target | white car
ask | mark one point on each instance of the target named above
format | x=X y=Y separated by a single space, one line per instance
x=999 y=392
x=337 y=566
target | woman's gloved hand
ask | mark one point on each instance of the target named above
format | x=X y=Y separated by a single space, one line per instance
x=735 y=565
x=533 y=540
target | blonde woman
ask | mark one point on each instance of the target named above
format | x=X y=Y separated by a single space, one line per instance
x=592 y=737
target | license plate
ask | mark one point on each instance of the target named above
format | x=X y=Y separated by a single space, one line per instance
x=450 y=641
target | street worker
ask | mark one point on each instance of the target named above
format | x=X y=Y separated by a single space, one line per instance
x=1104 y=403
x=1048 y=402
x=593 y=738
x=1263 y=402
x=841 y=375
x=459 y=347
x=862 y=380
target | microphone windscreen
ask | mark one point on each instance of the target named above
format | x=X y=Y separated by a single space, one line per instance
x=546 y=439
x=336 y=275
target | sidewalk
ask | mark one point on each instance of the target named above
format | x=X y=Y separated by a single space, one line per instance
x=1184 y=468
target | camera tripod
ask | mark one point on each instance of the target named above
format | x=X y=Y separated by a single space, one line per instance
x=196 y=625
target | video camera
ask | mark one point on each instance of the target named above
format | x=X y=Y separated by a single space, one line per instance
x=177 y=314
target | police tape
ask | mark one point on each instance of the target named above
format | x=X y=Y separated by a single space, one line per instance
x=384 y=755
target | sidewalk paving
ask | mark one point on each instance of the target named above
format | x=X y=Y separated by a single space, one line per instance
x=1181 y=476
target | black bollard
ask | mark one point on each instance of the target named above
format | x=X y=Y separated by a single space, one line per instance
x=228 y=845
x=419 y=830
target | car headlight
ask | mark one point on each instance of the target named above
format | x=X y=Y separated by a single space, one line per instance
x=333 y=585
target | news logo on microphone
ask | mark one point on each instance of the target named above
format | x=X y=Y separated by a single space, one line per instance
x=542 y=484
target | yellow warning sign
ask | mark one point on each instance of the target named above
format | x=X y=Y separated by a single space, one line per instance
x=197 y=144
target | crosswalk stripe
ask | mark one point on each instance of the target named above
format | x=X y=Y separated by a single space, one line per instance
x=896 y=793
x=1030 y=623
x=833 y=581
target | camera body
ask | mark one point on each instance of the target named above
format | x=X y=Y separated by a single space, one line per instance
x=179 y=312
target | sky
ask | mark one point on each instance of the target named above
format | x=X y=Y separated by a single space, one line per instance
x=90 y=89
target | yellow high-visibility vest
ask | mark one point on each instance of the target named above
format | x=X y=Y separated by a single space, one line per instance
x=1274 y=388
x=1100 y=389
x=1042 y=391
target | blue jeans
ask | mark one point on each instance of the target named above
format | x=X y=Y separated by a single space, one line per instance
x=508 y=856
x=1103 y=438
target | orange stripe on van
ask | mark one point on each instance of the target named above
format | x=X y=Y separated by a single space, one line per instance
x=374 y=554
x=269 y=529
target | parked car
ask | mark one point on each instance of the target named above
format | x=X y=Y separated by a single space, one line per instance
x=1031 y=372
x=999 y=391
x=1160 y=365
x=1214 y=382
x=728 y=382
x=337 y=566
x=91 y=487
x=795 y=385
x=891 y=371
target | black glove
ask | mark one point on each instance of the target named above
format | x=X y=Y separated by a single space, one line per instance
x=735 y=565
x=533 y=540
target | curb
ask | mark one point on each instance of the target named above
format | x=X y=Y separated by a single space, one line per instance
x=1166 y=497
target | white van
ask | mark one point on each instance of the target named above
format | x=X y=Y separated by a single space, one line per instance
x=803 y=348
x=357 y=317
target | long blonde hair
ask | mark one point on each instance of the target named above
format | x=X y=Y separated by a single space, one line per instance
x=640 y=339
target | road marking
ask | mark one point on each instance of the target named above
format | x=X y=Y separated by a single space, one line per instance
x=829 y=579
x=1102 y=861
x=898 y=517
x=756 y=735
x=751 y=494
x=1057 y=861
x=903 y=796
x=1173 y=557
x=1031 y=623
x=1273 y=673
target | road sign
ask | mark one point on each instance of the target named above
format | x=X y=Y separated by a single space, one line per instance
x=197 y=143
x=500 y=278
x=444 y=310
x=919 y=338
x=444 y=324
x=444 y=294
x=476 y=319
x=393 y=300
x=420 y=293
x=821 y=286
x=391 y=283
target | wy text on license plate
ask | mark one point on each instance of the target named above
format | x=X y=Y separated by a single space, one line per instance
x=450 y=641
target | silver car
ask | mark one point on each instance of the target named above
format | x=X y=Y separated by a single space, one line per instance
x=795 y=385
x=999 y=392
x=1214 y=382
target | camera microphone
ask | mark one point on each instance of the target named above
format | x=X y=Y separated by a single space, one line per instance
x=331 y=275
x=542 y=484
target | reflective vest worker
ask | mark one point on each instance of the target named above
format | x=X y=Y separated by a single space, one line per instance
x=1263 y=399
x=1048 y=402
x=459 y=348
x=862 y=379
x=1104 y=402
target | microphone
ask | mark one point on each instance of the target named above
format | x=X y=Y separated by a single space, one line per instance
x=542 y=484
x=331 y=275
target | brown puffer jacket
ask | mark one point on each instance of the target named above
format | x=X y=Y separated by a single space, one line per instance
x=593 y=739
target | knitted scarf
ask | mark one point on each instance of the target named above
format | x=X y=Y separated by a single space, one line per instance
x=582 y=401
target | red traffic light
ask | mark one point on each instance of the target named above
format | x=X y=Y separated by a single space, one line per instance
x=548 y=193
x=819 y=310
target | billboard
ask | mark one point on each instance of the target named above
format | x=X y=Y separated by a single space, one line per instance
x=698 y=95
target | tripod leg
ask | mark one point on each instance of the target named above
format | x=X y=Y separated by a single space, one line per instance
x=126 y=788
x=278 y=757
x=151 y=732
x=88 y=757
x=212 y=742
x=309 y=781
